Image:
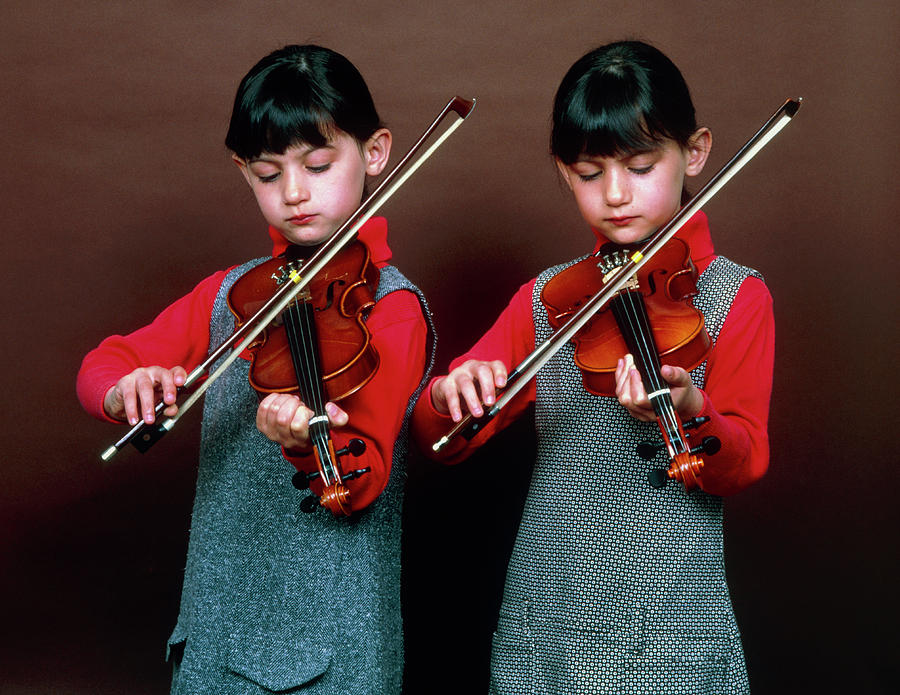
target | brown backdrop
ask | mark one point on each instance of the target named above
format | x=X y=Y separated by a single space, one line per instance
x=118 y=196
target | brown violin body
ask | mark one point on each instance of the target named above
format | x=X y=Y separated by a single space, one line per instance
x=339 y=295
x=319 y=347
x=652 y=318
x=666 y=284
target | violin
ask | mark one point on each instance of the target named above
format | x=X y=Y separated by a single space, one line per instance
x=142 y=436
x=653 y=318
x=319 y=348
x=616 y=280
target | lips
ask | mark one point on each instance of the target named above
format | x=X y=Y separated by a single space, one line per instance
x=620 y=221
x=300 y=220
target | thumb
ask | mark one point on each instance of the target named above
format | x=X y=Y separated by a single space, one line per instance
x=675 y=376
x=336 y=416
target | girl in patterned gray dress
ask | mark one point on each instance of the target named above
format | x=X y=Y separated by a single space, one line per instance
x=614 y=586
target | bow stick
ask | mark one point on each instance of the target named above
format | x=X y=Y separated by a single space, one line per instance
x=468 y=426
x=142 y=435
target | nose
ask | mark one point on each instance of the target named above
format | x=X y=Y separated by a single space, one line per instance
x=616 y=190
x=295 y=190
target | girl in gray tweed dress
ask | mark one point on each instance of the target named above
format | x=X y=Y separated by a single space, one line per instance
x=275 y=599
x=614 y=586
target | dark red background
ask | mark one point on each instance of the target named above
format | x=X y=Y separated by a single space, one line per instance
x=118 y=196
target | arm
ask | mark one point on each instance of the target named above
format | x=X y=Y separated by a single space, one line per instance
x=738 y=390
x=178 y=337
x=736 y=396
x=375 y=412
x=472 y=379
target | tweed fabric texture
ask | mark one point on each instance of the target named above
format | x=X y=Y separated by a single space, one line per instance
x=614 y=586
x=276 y=599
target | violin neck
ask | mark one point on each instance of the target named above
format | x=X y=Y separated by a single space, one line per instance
x=303 y=340
x=630 y=313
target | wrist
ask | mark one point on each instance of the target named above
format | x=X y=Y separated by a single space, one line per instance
x=109 y=405
x=439 y=406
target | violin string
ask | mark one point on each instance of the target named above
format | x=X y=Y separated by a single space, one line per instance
x=301 y=335
x=312 y=368
x=318 y=387
x=639 y=329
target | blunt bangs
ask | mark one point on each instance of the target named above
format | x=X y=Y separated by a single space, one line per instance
x=604 y=120
x=272 y=122
x=299 y=95
x=620 y=99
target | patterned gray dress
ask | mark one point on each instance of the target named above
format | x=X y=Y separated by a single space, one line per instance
x=275 y=599
x=614 y=586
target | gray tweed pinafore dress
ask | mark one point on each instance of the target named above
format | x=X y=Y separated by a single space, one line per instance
x=274 y=599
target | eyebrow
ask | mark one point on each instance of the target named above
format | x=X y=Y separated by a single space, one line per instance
x=308 y=149
x=628 y=154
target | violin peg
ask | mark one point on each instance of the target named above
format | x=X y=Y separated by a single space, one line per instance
x=355 y=447
x=658 y=477
x=709 y=446
x=355 y=474
x=309 y=504
x=695 y=422
x=300 y=480
x=649 y=450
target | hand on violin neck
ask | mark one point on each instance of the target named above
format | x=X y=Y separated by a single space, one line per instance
x=471 y=386
x=284 y=418
x=135 y=395
x=687 y=398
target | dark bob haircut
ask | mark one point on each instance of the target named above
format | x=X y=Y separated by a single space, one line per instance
x=620 y=98
x=299 y=94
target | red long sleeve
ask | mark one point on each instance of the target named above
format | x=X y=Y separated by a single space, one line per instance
x=376 y=411
x=509 y=340
x=178 y=336
x=738 y=388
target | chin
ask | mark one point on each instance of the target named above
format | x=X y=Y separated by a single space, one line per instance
x=625 y=237
x=310 y=239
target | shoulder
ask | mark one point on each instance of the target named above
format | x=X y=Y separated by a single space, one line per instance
x=753 y=296
x=752 y=286
x=398 y=301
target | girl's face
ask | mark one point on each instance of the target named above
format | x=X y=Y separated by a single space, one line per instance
x=307 y=192
x=628 y=197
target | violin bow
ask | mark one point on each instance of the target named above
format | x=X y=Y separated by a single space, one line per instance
x=469 y=425
x=142 y=435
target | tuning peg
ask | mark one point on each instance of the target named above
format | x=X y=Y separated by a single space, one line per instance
x=709 y=446
x=355 y=447
x=695 y=422
x=649 y=450
x=309 y=504
x=355 y=474
x=658 y=477
x=300 y=480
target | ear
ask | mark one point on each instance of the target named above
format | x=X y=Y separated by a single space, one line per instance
x=377 y=150
x=564 y=172
x=698 y=151
x=242 y=165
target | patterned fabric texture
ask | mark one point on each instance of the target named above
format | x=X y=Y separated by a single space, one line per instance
x=275 y=599
x=614 y=586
